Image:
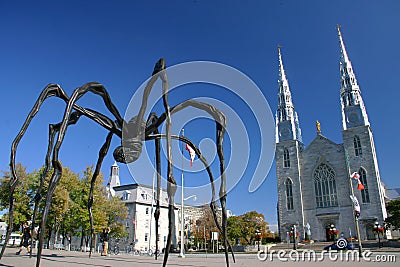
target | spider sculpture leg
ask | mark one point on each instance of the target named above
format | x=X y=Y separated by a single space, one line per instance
x=53 y=129
x=49 y=91
x=95 y=88
x=102 y=153
x=171 y=186
x=220 y=130
x=152 y=119
x=207 y=166
x=222 y=191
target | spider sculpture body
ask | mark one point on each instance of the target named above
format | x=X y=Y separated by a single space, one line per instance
x=132 y=134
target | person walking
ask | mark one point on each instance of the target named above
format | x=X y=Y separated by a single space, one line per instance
x=104 y=239
x=26 y=239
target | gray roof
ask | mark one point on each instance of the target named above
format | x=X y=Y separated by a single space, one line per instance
x=393 y=194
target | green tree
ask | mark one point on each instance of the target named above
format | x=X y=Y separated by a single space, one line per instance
x=106 y=212
x=116 y=213
x=393 y=208
x=68 y=213
x=22 y=200
x=234 y=229
x=246 y=226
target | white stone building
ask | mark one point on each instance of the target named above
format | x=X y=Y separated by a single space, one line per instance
x=314 y=184
x=140 y=224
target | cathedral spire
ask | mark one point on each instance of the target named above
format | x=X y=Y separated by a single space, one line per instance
x=287 y=121
x=353 y=109
x=343 y=54
x=282 y=75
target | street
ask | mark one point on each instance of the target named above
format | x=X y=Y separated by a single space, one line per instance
x=58 y=258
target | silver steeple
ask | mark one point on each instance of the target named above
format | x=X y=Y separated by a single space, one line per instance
x=287 y=122
x=353 y=109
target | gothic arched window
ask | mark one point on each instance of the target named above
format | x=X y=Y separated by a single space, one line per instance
x=289 y=194
x=357 y=146
x=363 y=180
x=325 y=186
x=286 y=158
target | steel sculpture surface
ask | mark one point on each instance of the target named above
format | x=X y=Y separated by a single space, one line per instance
x=132 y=134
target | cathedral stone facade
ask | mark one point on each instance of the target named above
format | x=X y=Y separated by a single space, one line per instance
x=314 y=184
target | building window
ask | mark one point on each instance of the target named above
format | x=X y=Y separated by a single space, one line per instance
x=363 y=180
x=147 y=211
x=286 y=158
x=125 y=196
x=325 y=186
x=289 y=194
x=357 y=146
x=146 y=237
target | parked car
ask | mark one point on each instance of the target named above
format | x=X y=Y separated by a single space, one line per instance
x=15 y=239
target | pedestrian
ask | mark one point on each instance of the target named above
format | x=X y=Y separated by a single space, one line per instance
x=26 y=239
x=104 y=240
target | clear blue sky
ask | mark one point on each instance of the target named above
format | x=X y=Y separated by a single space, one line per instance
x=118 y=42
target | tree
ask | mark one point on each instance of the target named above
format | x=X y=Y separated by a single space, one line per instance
x=116 y=213
x=204 y=226
x=246 y=226
x=393 y=208
x=234 y=229
x=106 y=212
x=68 y=213
x=22 y=200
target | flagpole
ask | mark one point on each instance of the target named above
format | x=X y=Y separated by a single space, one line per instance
x=352 y=193
x=151 y=211
x=181 y=252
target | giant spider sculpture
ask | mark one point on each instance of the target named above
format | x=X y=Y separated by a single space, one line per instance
x=132 y=134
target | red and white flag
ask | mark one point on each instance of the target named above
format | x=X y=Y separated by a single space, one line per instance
x=356 y=176
x=356 y=204
x=191 y=153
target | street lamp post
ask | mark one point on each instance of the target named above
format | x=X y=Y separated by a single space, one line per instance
x=181 y=252
x=294 y=231
x=377 y=228
x=258 y=239
x=332 y=231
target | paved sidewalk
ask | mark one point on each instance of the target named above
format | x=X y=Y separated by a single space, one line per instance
x=60 y=258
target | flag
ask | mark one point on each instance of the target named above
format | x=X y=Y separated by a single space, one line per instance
x=356 y=176
x=360 y=185
x=356 y=205
x=191 y=153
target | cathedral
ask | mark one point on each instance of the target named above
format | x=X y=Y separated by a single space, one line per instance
x=314 y=181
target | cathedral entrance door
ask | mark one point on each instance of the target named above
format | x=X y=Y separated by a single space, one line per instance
x=330 y=236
